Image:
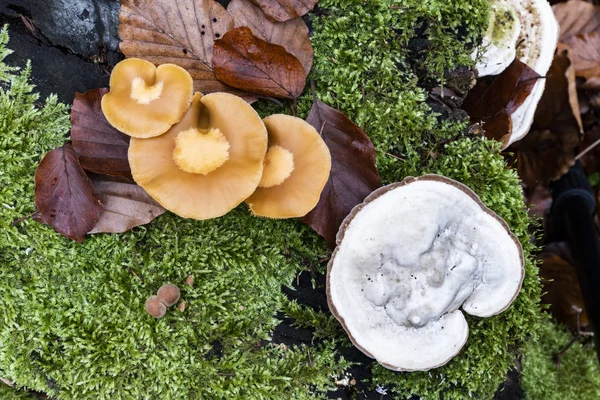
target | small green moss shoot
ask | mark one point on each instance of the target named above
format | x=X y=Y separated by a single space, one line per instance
x=577 y=377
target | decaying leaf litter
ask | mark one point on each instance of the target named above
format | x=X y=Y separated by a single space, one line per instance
x=246 y=81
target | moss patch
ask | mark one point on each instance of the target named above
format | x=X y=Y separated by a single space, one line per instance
x=74 y=323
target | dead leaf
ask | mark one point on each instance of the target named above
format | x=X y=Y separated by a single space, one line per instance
x=64 y=194
x=100 y=147
x=584 y=52
x=181 y=32
x=548 y=150
x=124 y=206
x=576 y=17
x=495 y=98
x=562 y=291
x=283 y=10
x=353 y=173
x=591 y=159
x=292 y=34
x=243 y=61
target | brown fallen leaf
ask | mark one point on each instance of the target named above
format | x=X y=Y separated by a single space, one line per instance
x=124 y=205
x=562 y=291
x=576 y=17
x=590 y=160
x=180 y=32
x=548 y=151
x=292 y=34
x=283 y=10
x=64 y=194
x=495 y=98
x=353 y=173
x=100 y=147
x=584 y=51
x=243 y=61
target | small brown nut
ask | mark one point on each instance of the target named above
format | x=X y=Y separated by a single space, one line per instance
x=189 y=280
x=181 y=306
x=155 y=307
x=169 y=294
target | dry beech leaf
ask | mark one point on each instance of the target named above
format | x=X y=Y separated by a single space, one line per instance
x=283 y=10
x=243 y=61
x=181 y=32
x=576 y=17
x=353 y=173
x=495 y=98
x=292 y=34
x=64 y=194
x=562 y=291
x=548 y=151
x=584 y=51
x=124 y=205
x=100 y=147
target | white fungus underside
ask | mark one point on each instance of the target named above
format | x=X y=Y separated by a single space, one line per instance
x=393 y=234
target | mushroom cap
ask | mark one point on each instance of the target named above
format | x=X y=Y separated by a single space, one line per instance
x=155 y=307
x=408 y=258
x=169 y=294
x=199 y=196
x=500 y=40
x=145 y=101
x=300 y=191
x=537 y=43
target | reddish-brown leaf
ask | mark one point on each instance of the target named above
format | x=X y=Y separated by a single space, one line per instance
x=100 y=147
x=124 y=205
x=292 y=34
x=353 y=173
x=548 y=150
x=181 y=32
x=283 y=10
x=495 y=98
x=64 y=194
x=243 y=61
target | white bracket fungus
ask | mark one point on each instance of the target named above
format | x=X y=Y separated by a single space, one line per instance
x=529 y=30
x=408 y=258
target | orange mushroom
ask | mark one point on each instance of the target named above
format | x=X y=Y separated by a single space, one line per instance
x=206 y=164
x=145 y=101
x=296 y=168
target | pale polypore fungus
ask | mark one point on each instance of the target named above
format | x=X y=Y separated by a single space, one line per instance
x=296 y=169
x=534 y=46
x=408 y=258
x=206 y=164
x=155 y=307
x=145 y=101
x=169 y=294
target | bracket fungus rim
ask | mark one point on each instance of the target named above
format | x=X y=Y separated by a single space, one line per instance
x=376 y=195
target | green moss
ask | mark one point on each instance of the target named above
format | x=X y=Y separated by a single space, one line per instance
x=577 y=377
x=8 y=393
x=73 y=322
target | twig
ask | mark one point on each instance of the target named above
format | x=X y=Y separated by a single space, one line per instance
x=271 y=99
x=7 y=382
x=294 y=107
x=587 y=150
x=23 y=218
x=393 y=155
x=558 y=356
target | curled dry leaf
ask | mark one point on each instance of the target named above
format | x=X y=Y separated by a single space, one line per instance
x=124 y=205
x=246 y=62
x=100 y=147
x=495 y=98
x=353 y=173
x=64 y=194
x=292 y=34
x=548 y=151
x=576 y=17
x=283 y=10
x=179 y=32
x=584 y=51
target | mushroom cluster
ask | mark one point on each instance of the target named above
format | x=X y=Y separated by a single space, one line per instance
x=527 y=30
x=167 y=295
x=200 y=156
x=408 y=258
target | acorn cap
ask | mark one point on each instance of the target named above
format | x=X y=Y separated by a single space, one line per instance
x=206 y=164
x=145 y=101
x=155 y=307
x=168 y=294
x=408 y=258
x=297 y=167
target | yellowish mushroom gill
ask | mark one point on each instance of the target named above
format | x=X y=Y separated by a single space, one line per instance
x=200 y=151
x=278 y=166
x=144 y=94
